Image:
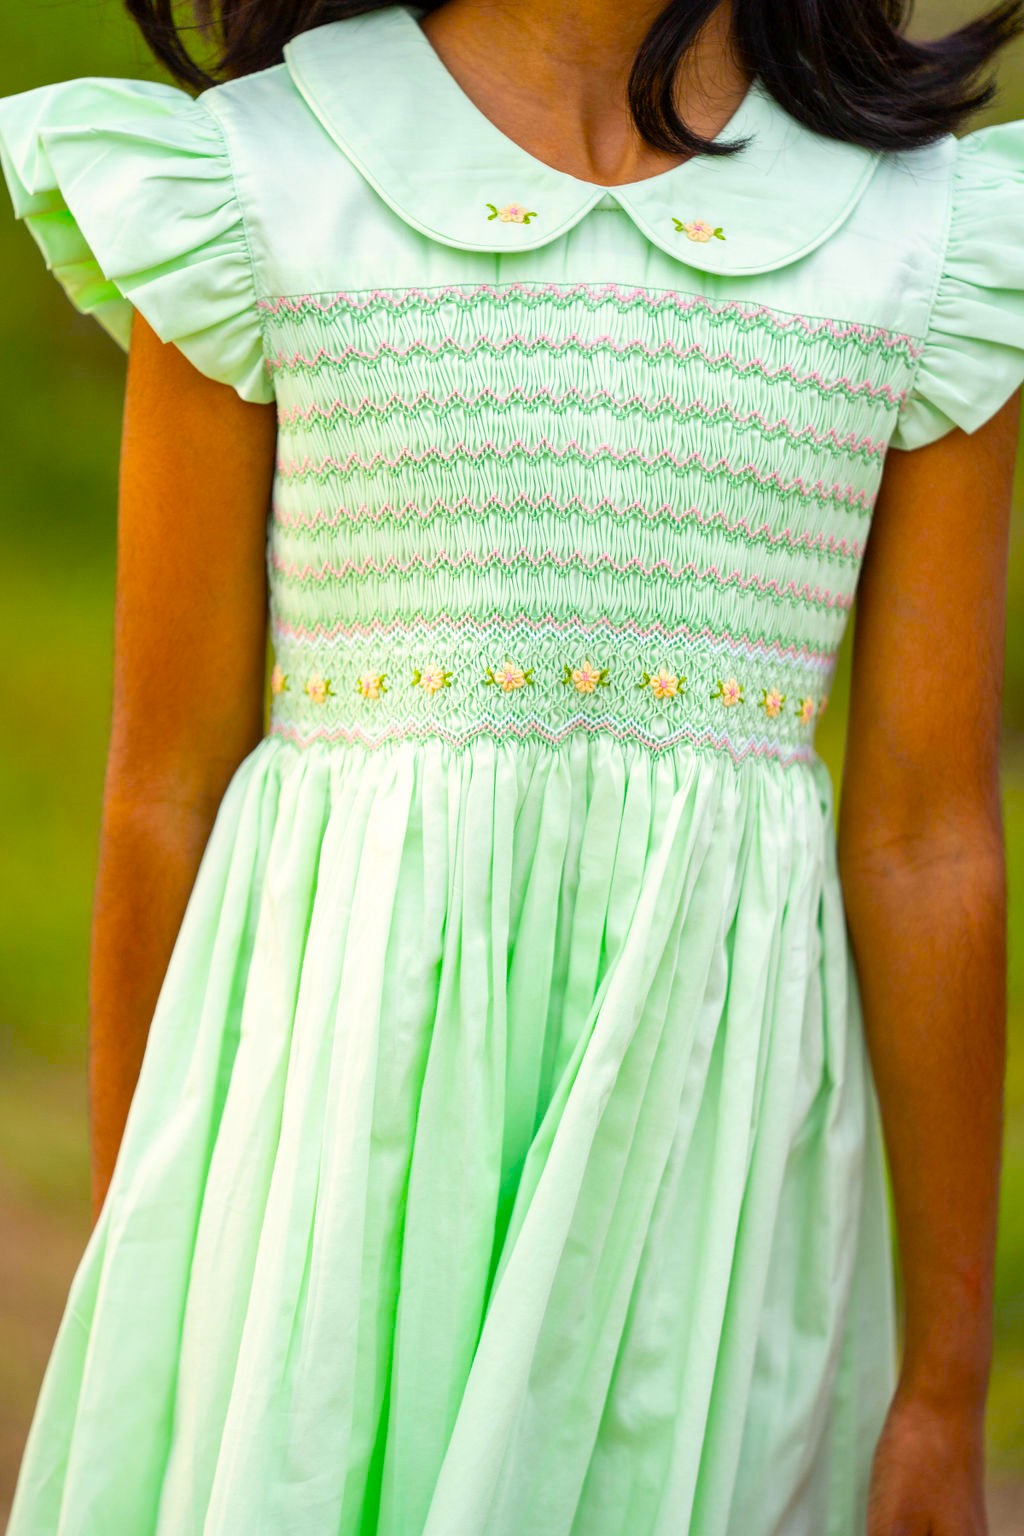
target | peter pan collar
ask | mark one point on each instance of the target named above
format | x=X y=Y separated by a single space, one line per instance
x=380 y=90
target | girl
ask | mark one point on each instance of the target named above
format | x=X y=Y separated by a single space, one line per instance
x=506 y=1155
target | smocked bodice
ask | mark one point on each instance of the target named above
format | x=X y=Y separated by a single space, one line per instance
x=525 y=511
x=555 y=460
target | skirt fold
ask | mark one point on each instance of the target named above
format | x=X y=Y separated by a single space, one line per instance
x=505 y=1159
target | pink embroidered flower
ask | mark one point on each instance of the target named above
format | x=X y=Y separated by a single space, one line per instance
x=511 y=213
x=586 y=677
x=278 y=680
x=699 y=230
x=663 y=683
x=508 y=677
x=729 y=691
x=805 y=710
x=431 y=679
x=371 y=685
x=771 y=702
x=319 y=688
x=821 y=705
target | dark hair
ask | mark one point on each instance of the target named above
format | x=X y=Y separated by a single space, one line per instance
x=843 y=67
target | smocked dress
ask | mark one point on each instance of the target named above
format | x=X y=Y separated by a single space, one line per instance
x=505 y=1159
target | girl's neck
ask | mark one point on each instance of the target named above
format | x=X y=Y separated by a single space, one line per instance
x=554 y=78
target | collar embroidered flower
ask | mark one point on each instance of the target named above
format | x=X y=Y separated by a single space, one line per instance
x=278 y=680
x=699 y=230
x=511 y=213
x=805 y=710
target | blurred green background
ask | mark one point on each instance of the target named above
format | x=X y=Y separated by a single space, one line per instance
x=59 y=439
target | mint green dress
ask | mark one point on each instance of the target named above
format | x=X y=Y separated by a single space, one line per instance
x=505 y=1159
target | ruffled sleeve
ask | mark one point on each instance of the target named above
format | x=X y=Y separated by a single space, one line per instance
x=973 y=356
x=128 y=190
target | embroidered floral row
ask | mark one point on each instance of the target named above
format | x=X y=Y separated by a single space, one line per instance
x=586 y=677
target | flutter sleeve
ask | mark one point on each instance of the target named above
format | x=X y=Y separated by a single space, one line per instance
x=973 y=356
x=128 y=190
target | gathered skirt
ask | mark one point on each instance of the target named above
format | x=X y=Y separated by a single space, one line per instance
x=505 y=1161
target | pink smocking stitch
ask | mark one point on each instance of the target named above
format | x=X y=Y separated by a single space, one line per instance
x=781 y=426
x=291 y=470
x=847 y=549
x=284 y=360
x=752 y=747
x=818 y=596
x=671 y=298
x=373 y=629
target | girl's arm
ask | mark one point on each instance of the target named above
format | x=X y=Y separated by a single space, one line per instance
x=923 y=868
x=189 y=656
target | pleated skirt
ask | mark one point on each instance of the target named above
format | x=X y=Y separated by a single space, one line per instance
x=505 y=1162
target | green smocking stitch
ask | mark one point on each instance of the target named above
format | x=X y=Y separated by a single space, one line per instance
x=779 y=323
x=887 y=398
x=547 y=453
x=421 y=569
x=709 y=530
x=486 y=617
x=489 y=405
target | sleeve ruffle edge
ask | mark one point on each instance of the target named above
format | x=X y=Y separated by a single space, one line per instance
x=127 y=189
x=973 y=355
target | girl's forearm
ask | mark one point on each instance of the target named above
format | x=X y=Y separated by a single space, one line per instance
x=928 y=928
x=149 y=855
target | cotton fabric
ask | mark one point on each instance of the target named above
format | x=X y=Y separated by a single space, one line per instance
x=505 y=1156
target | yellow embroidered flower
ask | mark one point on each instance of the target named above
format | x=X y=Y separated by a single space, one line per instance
x=508 y=677
x=319 y=688
x=370 y=685
x=586 y=678
x=821 y=705
x=431 y=679
x=278 y=680
x=663 y=683
x=699 y=230
x=771 y=702
x=729 y=691
x=511 y=213
x=805 y=710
